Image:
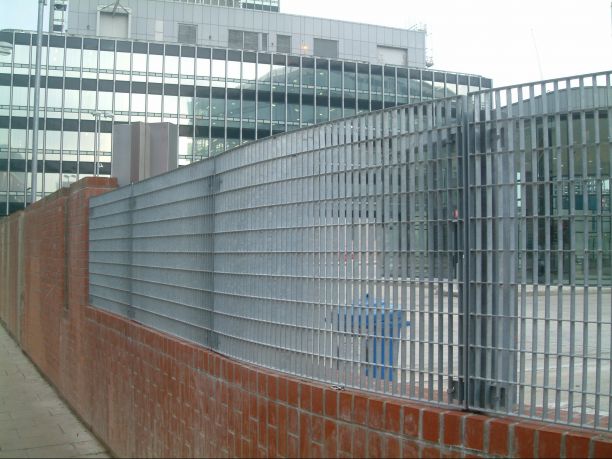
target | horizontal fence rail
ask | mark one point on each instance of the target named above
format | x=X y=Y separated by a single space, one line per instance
x=454 y=251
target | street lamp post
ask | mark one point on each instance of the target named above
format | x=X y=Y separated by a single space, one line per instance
x=37 y=71
x=97 y=124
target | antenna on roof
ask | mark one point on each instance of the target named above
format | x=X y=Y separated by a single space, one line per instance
x=535 y=45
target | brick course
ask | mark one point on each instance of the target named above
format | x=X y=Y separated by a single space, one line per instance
x=144 y=393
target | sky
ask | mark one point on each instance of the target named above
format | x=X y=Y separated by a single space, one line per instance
x=511 y=42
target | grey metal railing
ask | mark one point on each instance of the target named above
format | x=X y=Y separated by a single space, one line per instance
x=454 y=251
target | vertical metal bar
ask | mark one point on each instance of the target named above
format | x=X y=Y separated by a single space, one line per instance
x=534 y=322
x=413 y=246
x=558 y=185
x=546 y=180
x=523 y=248
x=572 y=255
x=423 y=236
x=465 y=280
x=36 y=114
x=599 y=252
x=608 y=98
x=585 y=255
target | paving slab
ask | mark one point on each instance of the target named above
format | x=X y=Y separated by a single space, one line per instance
x=34 y=421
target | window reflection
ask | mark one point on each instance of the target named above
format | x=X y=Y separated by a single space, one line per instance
x=249 y=75
x=139 y=63
x=307 y=114
x=278 y=113
x=248 y=111
x=22 y=54
x=263 y=72
x=376 y=87
x=263 y=111
x=307 y=77
x=187 y=66
x=156 y=63
x=73 y=58
x=322 y=78
x=70 y=141
x=172 y=65
x=20 y=96
x=106 y=101
x=278 y=77
x=54 y=98
x=217 y=146
x=336 y=80
x=71 y=99
x=218 y=69
x=203 y=68
x=233 y=109
x=322 y=114
x=350 y=82
x=122 y=102
x=217 y=107
x=389 y=84
x=427 y=89
x=138 y=103
x=293 y=79
x=185 y=146
x=107 y=60
x=293 y=113
x=124 y=62
x=201 y=148
x=105 y=142
x=363 y=82
x=402 y=89
x=87 y=142
x=335 y=113
x=233 y=71
x=202 y=105
x=170 y=105
x=56 y=57
x=186 y=106
x=18 y=141
x=53 y=140
x=88 y=100
x=3 y=139
x=90 y=59
x=52 y=182
x=439 y=90
x=415 y=89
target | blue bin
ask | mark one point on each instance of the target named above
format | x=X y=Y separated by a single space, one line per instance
x=386 y=324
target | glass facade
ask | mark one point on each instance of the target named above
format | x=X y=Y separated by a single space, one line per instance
x=261 y=5
x=219 y=98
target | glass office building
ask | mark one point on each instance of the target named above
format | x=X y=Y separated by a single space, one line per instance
x=219 y=98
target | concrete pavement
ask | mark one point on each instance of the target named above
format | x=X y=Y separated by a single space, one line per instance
x=34 y=422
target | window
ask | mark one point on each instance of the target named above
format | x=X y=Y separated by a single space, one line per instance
x=114 y=24
x=325 y=48
x=283 y=44
x=251 y=41
x=187 y=33
x=392 y=56
x=159 y=30
x=238 y=39
x=235 y=39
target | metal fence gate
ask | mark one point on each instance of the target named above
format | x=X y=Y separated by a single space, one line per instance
x=454 y=251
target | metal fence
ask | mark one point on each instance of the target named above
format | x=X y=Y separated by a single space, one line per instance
x=454 y=251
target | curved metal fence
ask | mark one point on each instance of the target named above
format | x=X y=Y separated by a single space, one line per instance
x=456 y=251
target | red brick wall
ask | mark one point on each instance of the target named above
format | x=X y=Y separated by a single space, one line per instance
x=45 y=276
x=148 y=394
x=10 y=292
